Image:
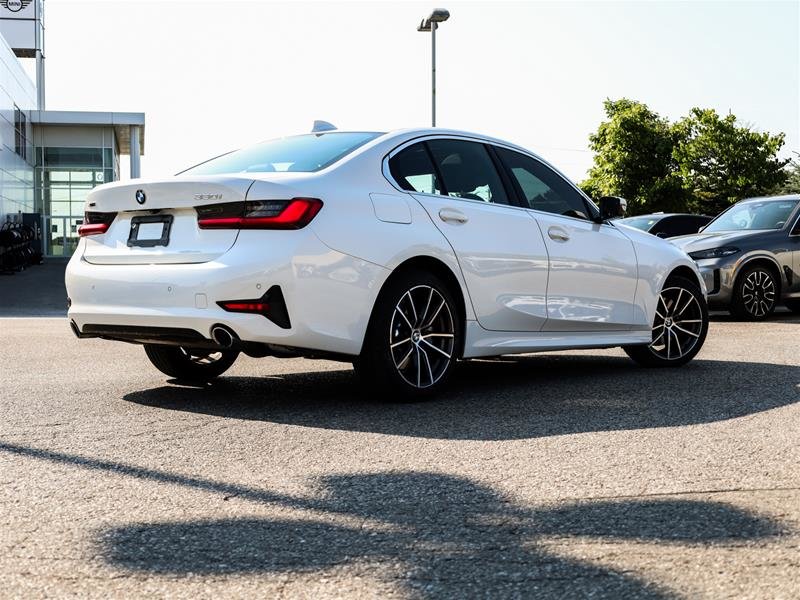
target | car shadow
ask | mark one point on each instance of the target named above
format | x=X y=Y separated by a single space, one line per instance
x=512 y=398
x=781 y=315
x=435 y=536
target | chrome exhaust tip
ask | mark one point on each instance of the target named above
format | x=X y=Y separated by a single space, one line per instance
x=223 y=336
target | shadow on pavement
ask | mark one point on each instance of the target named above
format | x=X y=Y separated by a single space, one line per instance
x=435 y=535
x=515 y=398
x=432 y=534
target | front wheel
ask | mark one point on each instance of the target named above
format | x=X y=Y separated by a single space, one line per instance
x=190 y=364
x=679 y=328
x=413 y=340
x=755 y=295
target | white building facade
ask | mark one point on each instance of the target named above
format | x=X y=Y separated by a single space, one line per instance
x=50 y=160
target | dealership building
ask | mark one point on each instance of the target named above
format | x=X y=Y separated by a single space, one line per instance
x=51 y=159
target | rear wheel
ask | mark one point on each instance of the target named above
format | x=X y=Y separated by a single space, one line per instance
x=190 y=364
x=413 y=339
x=679 y=328
x=756 y=294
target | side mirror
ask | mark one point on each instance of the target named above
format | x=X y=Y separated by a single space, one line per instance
x=612 y=207
x=701 y=229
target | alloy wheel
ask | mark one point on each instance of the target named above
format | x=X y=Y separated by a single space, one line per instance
x=758 y=293
x=422 y=336
x=678 y=324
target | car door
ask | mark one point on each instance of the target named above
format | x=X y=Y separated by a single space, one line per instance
x=501 y=252
x=593 y=268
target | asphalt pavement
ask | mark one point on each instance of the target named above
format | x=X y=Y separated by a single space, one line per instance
x=563 y=475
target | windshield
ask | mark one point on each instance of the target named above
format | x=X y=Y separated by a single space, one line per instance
x=753 y=215
x=299 y=153
x=643 y=223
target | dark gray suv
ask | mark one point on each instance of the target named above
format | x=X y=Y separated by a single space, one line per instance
x=750 y=256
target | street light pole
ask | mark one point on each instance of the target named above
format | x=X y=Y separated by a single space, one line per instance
x=433 y=73
x=431 y=24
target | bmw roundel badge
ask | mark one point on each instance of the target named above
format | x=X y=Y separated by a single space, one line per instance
x=140 y=197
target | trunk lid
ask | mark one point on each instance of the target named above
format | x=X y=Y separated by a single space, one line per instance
x=147 y=205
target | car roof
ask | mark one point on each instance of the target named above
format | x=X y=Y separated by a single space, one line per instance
x=664 y=215
x=782 y=198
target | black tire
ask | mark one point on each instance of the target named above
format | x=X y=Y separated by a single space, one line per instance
x=188 y=364
x=793 y=304
x=755 y=294
x=678 y=323
x=414 y=338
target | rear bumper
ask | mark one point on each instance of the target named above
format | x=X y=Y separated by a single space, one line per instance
x=328 y=295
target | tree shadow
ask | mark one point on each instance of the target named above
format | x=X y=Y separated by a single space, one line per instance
x=436 y=536
x=512 y=398
x=432 y=534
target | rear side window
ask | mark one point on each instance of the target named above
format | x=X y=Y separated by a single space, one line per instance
x=544 y=189
x=468 y=171
x=413 y=170
x=299 y=153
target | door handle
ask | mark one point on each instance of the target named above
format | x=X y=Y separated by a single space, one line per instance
x=451 y=215
x=557 y=234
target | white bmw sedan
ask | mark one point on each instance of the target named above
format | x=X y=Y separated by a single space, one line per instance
x=400 y=252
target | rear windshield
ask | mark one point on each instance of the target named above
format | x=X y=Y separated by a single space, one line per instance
x=299 y=153
x=643 y=223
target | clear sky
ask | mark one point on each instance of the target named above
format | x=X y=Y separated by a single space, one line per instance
x=212 y=76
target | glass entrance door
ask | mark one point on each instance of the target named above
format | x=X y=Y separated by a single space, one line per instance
x=61 y=235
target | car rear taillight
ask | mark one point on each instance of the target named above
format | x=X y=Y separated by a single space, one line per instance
x=259 y=214
x=95 y=223
x=260 y=308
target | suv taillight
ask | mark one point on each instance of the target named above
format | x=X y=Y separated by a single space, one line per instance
x=259 y=214
x=95 y=223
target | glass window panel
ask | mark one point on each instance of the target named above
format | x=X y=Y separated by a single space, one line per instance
x=544 y=189
x=79 y=193
x=58 y=194
x=58 y=175
x=467 y=170
x=107 y=158
x=74 y=157
x=82 y=176
x=413 y=170
x=60 y=209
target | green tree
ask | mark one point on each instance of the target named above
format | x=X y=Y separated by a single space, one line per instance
x=633 y=158
x=721 y=162
x=792 y=183
x=702 y=163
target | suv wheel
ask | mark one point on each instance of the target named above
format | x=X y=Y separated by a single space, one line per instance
x=755 y=294
x=679 y=328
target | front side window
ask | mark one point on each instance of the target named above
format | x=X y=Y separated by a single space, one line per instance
x=300 y=153
x=753 y=215
x=468 y=171
x=413 y=170
x=543 y=188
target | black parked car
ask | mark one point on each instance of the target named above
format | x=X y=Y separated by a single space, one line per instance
x=667 y=225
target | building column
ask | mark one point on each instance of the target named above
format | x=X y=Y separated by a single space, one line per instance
x=40 y=80
x=136 y=169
